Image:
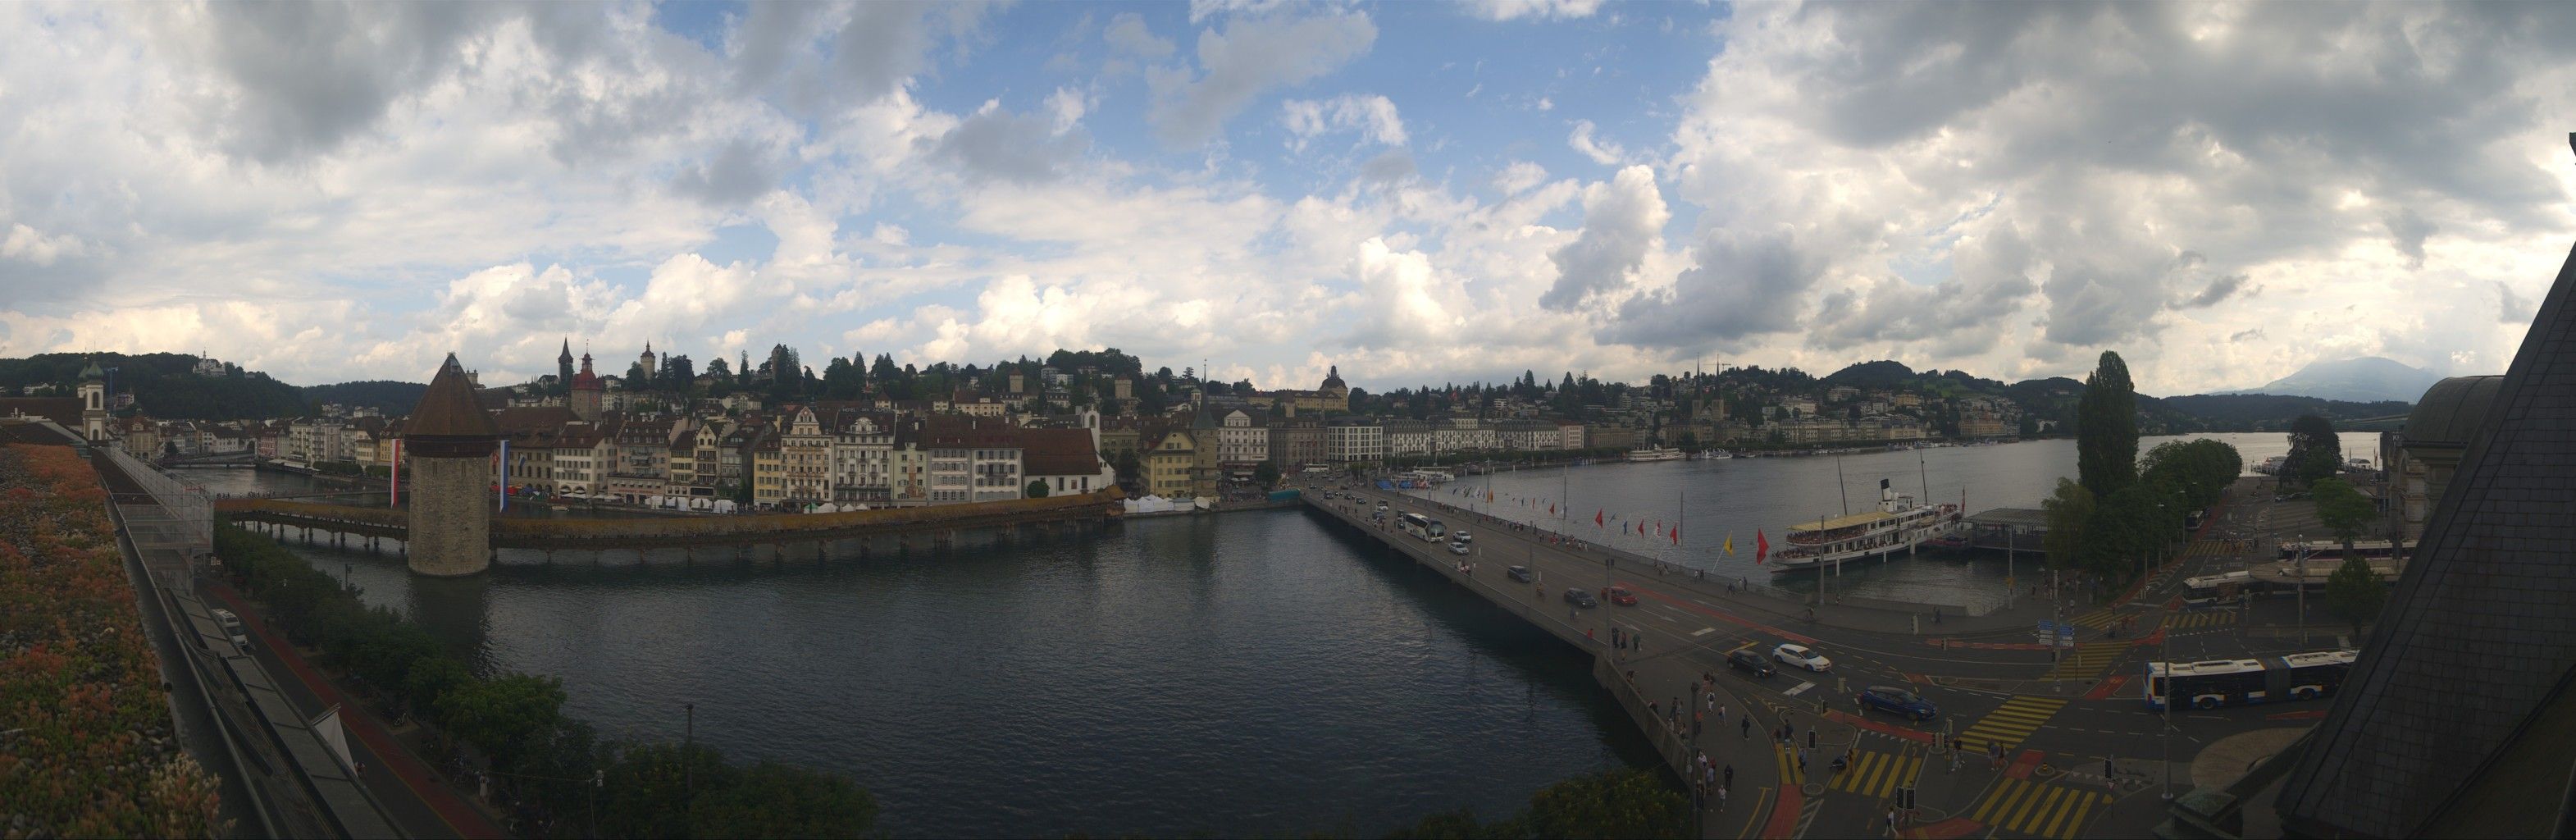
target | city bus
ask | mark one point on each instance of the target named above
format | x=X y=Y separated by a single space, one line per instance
x=2228 y=588
x=2236 y=682
x=1421 y=527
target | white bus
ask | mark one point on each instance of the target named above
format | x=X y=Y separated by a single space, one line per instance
x=1421 y=527
x=2228 y=588
x=2232 y=682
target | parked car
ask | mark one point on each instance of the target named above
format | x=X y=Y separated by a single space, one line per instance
x=1750 y=662
x=1621 y=596
x=1461 y=536
x=1888 y=698
x=1581 y=598
x=1457 y=547
x=1520 y=573
x=1800 y=656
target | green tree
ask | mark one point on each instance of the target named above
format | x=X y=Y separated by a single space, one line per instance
x=2343 y=510
x=2355 y=593
x=2069 y=510
x=2106 y=430
x=2315 y=451
x=1619 y=803
x=770 y=799
x=1037 y=488
x=503 y=716
x=1266 y=473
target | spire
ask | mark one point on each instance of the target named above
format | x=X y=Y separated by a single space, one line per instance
x=566 y=358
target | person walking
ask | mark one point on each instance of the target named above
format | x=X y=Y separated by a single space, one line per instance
x=1729 y=778
x=1747 y=727
x=1811 y=737
x=1891 y=821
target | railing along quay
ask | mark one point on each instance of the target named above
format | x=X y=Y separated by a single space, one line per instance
x=693 y=531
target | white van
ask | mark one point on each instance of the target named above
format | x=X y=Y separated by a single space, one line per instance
x=232 y=625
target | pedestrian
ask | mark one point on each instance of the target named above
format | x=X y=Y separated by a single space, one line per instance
x=1747 y=729
x=1802 y=761
x=1721 y=798
x=1891 y=822
x=2108 y=771
x=1637 y=644
x=1730 y=777
x=1811 y=737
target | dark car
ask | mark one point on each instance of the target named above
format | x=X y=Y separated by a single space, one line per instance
x=1750 y=662
x=1520 y=573
x=1888 y=698
x=1621 y=596
x=1581 y=598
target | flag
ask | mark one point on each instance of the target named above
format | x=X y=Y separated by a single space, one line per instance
x=1551 y=509
x=1489 y=495
x=1677 y=535
x=1761 y=547
x=1730 y=543
x=1596 y=519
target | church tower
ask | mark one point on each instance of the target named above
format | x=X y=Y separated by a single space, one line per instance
x=448 y=442
x=652 y=368
x=563 y=366
x=586 y=392
x=93 y=396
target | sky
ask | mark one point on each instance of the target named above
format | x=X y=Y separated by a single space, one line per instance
x=1417 y=193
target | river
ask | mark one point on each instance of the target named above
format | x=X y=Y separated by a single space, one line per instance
x=1244 y=674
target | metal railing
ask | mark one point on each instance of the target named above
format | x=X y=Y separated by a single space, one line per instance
x=168 y=513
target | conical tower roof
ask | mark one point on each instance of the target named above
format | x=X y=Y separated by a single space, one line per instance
x=448 y=409
x=90 y=372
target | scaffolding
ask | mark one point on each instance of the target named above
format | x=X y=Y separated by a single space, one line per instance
x=166 y=513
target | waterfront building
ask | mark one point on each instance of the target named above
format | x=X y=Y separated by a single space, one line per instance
x=582 y=452
x=586 y=392
x=1295 y=442
x=768 y=471
x=909 y=465
x=1463 y=434
x=1242 y=439
x=447 y=444
x=1065 y=461
x=1407 y=438
x=1168 y=458
x=862 y=457
x=971 y=461
x=807 y=452
x=1569 y=435
x=642 y=465
x=1118 y=437
x=2422 y=456
x=1329 y=398
x=1354 y=442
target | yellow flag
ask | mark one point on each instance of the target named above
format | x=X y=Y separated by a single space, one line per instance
x=1730 y=543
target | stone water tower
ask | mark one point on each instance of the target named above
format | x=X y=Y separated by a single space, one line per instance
x=447 y=447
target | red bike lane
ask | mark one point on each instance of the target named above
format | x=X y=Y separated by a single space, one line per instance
x=460 y=816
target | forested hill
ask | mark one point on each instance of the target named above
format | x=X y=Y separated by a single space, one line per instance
x=395 y=399
x=2267 y=412
x=164 y=385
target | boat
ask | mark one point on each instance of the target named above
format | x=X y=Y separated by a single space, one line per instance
x=1897 y=525
x=2272 y=465
x=1655 y=454
x=1712 y=455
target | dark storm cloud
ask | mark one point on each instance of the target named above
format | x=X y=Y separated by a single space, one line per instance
x=2218 y=290
x=1745 y=284
x=310 y=75
x=2409 y=232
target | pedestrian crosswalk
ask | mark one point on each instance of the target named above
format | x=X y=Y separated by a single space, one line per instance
x=2034 y=808
x=2215 y=548
x=1877 y=775
x=2086 y=660
x=2012 y=723
x=2197 y=620
x=2096 y=619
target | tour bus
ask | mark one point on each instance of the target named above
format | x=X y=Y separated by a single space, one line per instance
x=2232 y=682
x=2228 y=588
x=1421 y=527
x=2332 y=550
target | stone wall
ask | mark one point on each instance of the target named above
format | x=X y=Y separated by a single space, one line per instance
x=451 y=520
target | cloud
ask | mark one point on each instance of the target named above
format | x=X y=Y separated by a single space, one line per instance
x=1623 y=218
x=1537 y=9
x=1394 y=165
x=1602 y=152
x=736 y=174
x=1744 y=283
x=2218 y=290
x=2246 y=334
x=1128 y=34
x=292 y=80
x=1247 y=58
x=1374 y=117
x=1519 y=177
x=1067 y=106
x=2407 y=232
x=999 y=144
x=2511 y=308
x=26 y=244
x=1961 y=314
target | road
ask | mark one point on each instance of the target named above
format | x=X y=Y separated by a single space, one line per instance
x=2056 y=719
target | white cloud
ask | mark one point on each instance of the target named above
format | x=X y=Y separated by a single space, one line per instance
x=1128 y=34
x=1538 y=9
x=26 y=244
x=1519 y=177
x=1602 y=152
x=1067 y=106
x=1374 y=117
x=1623 y=220
x=1249 y=57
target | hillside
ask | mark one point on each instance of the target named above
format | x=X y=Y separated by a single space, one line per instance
x=164 y=385
x=2271 y=412
x=393 y=398
x=2363 y=380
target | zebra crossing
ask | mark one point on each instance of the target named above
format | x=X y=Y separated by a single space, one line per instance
x=2217 y=548
x=2096 y=619
x=2087 y=660
x=2010 y=724
x=2038 y=809
x=2197 y=620
x=1877 y=775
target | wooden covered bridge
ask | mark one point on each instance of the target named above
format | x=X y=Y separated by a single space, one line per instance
x=682 y=532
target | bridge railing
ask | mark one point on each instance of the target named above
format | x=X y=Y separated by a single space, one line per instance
x=167 y=514
x=692 y=527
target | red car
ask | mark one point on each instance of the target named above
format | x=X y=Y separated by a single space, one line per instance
x=1621 y=596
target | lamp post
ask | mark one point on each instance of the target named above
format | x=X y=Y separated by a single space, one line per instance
x=2303 y=591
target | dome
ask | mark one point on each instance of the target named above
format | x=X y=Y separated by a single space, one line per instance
x=1333 y=378
x=91 y=372
x=2452 y=410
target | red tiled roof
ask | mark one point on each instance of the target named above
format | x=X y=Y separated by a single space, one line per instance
x=1058 y=452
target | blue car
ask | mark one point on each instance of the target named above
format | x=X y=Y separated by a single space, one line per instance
x=1888 y=698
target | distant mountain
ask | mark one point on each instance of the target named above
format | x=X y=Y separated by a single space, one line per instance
x=393 y=398
x=2366 y=379
x=1879 y=374
x=2267 y=412
x=164 y=385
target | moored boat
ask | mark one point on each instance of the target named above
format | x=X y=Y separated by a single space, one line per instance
x=1897 y=525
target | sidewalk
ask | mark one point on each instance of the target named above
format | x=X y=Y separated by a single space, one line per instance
x=411 y=791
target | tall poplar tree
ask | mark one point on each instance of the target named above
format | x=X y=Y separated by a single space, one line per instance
x=2106 y=430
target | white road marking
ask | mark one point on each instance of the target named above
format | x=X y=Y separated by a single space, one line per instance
x=1800 y=687
x=1705 y=631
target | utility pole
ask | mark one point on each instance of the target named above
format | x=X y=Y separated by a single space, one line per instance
x=2164 y=651
x=2303 y=592
x=688 y=769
